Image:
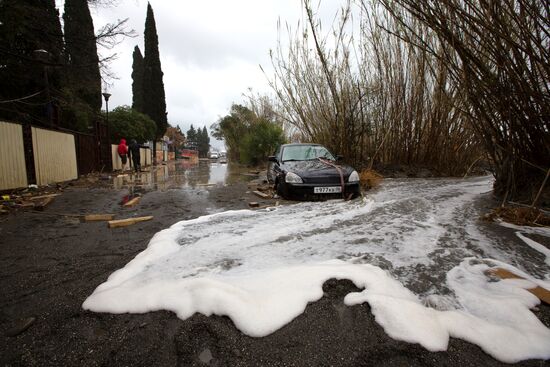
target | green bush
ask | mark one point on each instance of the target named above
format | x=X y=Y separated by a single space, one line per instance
x=124 y=122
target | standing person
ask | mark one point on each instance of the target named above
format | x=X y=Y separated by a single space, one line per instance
x=135 y=155
x=123 y=152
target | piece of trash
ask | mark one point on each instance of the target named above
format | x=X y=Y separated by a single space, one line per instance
x=5 y=197
x=33 y=186
x=253 y=204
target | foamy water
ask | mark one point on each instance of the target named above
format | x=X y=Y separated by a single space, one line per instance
x=261 y=268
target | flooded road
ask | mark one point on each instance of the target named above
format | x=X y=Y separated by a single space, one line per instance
x=183 y=174
x=416 y=248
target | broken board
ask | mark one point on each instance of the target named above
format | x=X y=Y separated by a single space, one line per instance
x=133 y=202
x=98 y=217
x=261 y=194
x=542 y=293
x=128 y=222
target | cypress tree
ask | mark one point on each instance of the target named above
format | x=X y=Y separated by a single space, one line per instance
x=80 y=41
x=192 y=136
x=137 y=80
x=154 y=100
x=203 y=142
x=25 y=27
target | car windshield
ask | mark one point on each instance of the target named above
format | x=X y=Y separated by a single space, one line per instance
x=305 y=152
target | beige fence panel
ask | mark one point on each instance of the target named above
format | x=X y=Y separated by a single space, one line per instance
x=145 y=155
x=117 y=163
x=145 y=158
x=13 y=172
x=54 y=156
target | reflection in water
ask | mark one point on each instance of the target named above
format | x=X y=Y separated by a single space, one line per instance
x=182 y=174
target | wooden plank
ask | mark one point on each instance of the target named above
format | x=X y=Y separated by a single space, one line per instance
x=98 y=217
x=128 y=222
x=261 y=194
x=542 y=293
x=133 y=202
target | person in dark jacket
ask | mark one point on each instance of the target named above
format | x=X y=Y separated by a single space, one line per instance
x=135 y=154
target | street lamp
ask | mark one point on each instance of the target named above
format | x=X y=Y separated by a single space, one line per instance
x=106 y=96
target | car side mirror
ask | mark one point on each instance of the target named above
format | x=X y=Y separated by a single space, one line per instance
x=339 y=157
x=272 y=158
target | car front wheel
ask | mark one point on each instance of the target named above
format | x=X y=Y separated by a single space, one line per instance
x=280 y=186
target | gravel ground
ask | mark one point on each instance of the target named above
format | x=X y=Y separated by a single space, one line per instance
x=50 y=263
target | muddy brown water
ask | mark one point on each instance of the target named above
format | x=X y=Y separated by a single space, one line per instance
x=50 y=263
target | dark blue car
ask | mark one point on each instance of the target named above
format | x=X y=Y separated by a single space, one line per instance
x=310 y=171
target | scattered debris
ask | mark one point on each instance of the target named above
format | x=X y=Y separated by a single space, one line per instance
x=98 y=217
x=542 y=293
x=132 y=202
x=522 y=216
x=261 y=194
x=40 y=197
x=128 y=222
x=21 y=326
x=41 y=205
x=370 y=179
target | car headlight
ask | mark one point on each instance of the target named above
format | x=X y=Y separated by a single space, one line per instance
x=354 y=177
x=291 y=177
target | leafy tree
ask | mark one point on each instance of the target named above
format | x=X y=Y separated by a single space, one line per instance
x=127 y=123
x=261 y=141
x=80 y=43
x=154 y=100
x=176 y=136
x=249 y=138
x=203 y=142
x=137 y=80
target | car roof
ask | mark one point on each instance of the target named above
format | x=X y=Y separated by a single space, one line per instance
x=300 y=144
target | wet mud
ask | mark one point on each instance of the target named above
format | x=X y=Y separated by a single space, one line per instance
x=50 y=263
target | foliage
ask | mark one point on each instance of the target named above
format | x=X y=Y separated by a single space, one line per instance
x=250 y=139
x=176 y=136
x=80 y=45
x=435 y=84
x=192 y=137
x=497 y=55
x=137 y=80
x=124 y=122
x=154 y=100
x=203 y=142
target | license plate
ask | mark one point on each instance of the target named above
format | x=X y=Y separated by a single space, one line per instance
x=327 y=190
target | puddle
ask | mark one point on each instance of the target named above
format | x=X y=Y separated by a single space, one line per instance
x=182 y=174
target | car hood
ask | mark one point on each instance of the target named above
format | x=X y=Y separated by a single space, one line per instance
x=314 y=168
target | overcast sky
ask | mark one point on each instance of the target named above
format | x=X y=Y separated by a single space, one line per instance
x=210 y=51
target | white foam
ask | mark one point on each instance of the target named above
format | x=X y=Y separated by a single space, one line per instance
x=261 y=268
